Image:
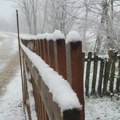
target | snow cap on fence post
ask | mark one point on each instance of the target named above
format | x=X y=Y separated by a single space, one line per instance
x=50 y=36
x=73 y=36
x=60 y=53
x=58 y=35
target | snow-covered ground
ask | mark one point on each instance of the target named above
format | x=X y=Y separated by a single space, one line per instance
x=11 y=102
x=10 y=81
x=11 y=97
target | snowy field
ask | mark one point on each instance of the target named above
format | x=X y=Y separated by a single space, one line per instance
x=11 y=96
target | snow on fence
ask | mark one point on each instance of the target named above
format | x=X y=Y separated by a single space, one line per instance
x=54 y=68
x=101 y=74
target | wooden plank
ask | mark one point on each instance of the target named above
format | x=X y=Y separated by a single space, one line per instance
x=46 y=57
x=118 y=79
x=101 y=77
x=93 y=91
x=88 y=74
x=75 y=68
x=60 y=57
x=51 y=54
x=106 y=76
x=83 y=61
x=114 y=57
x=42 y=49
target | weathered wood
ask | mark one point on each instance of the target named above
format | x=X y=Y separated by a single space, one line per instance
x=88 y=74
x=39 y=48
x=42 y=49
x=101 y=77
x=83 y=61
x=51 y=107
x=118 y=79
x=113 y=60
x=51 y=54
x=106 y=76
x=46 y=57
x=93 y=91
x=60 y=57
x=75 y=68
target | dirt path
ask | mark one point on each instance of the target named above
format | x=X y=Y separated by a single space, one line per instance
x=9 y=61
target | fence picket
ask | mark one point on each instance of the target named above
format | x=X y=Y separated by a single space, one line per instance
x=106 y=76
x=94 y=74
x=112 y=72
x=46 y=56
x=83 y=61
x=101 y=77
x=118 y=79
x=60 y=55
x=51 y=54
x=88 y=74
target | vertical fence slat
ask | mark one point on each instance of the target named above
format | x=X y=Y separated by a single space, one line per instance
x=101 y=77
x=83 y=61
x=106 y=76
x=42 y=49
x=114 y=57
x=93 y=91
x=88 y=74
x=118 y=79
x=74 y=56
x=46 y=57
x=60 y=57
x=51 y=54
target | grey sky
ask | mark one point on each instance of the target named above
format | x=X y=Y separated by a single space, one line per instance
x=7 y=9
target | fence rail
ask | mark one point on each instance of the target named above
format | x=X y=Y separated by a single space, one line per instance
x=55 y=54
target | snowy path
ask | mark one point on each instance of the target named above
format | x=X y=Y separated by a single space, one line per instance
x=10 y=81
x=11 y=103
x=9 y=61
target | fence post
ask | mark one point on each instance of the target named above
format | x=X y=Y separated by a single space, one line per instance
x=51 y=54
x=75 y=70
x=88 y=74
x=106 y=76
x=60 y=57
x=42 y=49
x=83 y=59
x=113 y=60
x=101 y=77
x=118 y=79
x=46 y=58
x=94 y=74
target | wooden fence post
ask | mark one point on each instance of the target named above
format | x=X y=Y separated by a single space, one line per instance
x=101 y=77
x=42 y=49
x=75 y=70
x=83 y=59
x=46 y=57
x=51 y=54
x=118 y=79
x=88 y=74
x=106 y=76
x=113 y=60
x=94 y=74
x=39 y=43
x=60 y=57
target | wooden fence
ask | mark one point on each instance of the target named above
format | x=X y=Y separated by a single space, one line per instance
x=101 y=75
x=55 y=54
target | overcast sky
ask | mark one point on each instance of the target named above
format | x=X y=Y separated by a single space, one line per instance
x=7 y=9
